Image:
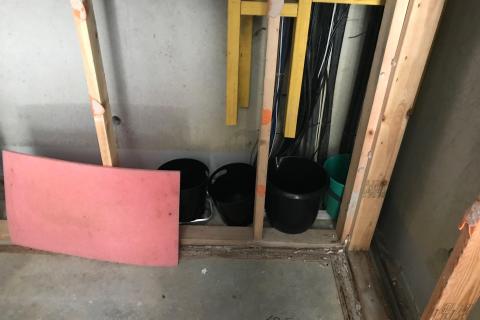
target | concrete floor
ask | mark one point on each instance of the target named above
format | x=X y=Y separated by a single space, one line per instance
x=44 y=286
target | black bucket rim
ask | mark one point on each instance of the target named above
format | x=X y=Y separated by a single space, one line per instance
x=205 y=167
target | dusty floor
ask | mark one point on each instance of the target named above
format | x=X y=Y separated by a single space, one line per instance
x=43 y=286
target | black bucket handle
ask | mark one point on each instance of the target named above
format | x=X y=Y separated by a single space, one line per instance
x=223 y=169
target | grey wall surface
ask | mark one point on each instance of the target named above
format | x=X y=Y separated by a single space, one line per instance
x=437 y=175
x=165 y=70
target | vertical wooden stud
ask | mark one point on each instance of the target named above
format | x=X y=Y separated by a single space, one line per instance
x=458 y=288
x=388 y=41
x=300 y=38
x=387 y=129
x=246 y=33
x=97 y=86
x=233 y=56
x=266 y=123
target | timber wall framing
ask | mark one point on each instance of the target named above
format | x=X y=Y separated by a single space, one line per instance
x=387 y=109
x=404 y=41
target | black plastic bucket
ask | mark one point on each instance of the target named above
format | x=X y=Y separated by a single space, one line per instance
x=232 y=188
x=294 y=189
x=193 y=186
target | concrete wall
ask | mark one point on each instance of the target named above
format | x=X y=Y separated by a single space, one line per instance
x=165 y=70
x=437 y=175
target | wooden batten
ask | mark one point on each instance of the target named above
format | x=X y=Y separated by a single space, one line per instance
x=238 y=236
x=266 y=123
x=408 y=45
x=84 y=18
x=300 y=38
x=233 y=56
x=245 y=61
x=381 y=70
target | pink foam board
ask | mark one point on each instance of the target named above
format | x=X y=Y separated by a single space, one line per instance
x=113 y=214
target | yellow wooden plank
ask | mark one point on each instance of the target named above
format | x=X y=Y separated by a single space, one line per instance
x=300 y=38
x=458 y=287
x=266 y=122
x=246 y=33
x=85 y=25
x=233 y=56
x=260 y=8
x=359 y=2
x=387 y=131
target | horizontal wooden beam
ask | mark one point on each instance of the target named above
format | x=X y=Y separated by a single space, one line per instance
x=243 y=236
x=290 y=9
x=260 y=8
x=359 y=2
x=237 y=236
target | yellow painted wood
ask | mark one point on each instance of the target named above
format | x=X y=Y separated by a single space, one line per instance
x=360 y=2
x=260 y=8
x=85 y=25
x=233 y=55
x=290 y=9
x=246 y=33
x=300 y=38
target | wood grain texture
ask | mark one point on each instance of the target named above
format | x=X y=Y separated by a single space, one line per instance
x=383 y=122
x=412 y=54
x=265 y=126
x=244 y=68
x=97 y=86
x=233 y=56
x=458 y=287
x=387 y=43
x=300 y=37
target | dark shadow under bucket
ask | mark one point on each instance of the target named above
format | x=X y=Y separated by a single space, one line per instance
x=295 y=186
x=193 y=186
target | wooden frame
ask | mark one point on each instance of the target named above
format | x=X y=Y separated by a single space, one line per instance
x=404 y=42
x=239 y=36
x=405 y=39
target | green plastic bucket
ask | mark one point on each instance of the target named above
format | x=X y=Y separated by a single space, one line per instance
x=337 y=170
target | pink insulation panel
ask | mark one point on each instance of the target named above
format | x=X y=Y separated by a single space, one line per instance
x=112 y=214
